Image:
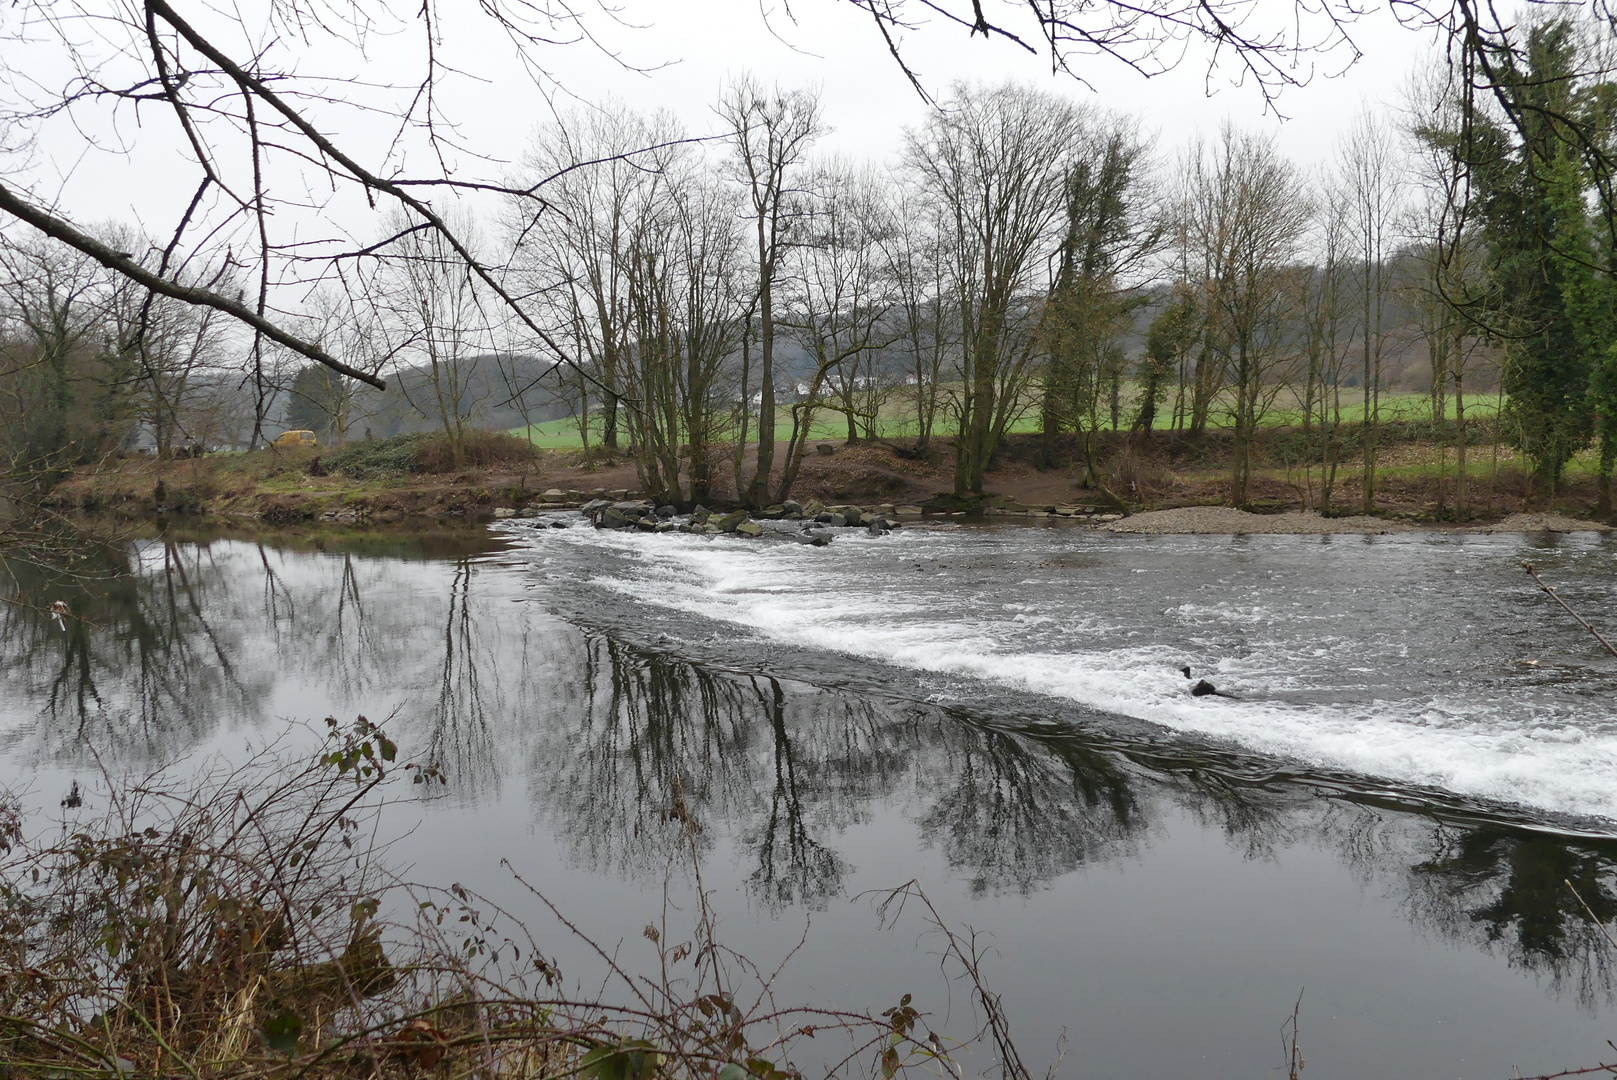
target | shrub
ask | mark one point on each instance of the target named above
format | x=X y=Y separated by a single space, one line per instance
x=481 y=449
x=243 y=926
x=377 y=458
x=423 y=452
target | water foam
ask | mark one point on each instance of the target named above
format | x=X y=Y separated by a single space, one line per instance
x=861 y=600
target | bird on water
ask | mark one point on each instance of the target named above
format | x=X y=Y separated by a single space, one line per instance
x=1203 y=688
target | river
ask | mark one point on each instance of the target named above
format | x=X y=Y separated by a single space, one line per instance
x=1417 y=757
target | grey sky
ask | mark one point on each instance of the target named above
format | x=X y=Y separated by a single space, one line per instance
x=675 y=54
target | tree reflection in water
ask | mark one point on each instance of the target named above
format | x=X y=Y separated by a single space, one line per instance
x=141 y=665
x=174 y=643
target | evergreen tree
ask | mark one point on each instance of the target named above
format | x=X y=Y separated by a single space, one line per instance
x=1552 y=292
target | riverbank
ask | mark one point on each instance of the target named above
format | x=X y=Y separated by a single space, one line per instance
x=1163 y=483
x=1227 y=520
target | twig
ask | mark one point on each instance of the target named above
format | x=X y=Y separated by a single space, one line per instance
x=1553 y=596
x=1587 y=911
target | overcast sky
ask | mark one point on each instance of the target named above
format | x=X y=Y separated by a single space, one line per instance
x=678 y=54
x=869 y=102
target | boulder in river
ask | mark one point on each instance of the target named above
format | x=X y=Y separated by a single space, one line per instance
x=700 y=515
x=613 y=518
x=791 y=506
x=729 y=521
x=749 y=528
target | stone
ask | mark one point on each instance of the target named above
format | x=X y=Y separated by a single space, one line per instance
x=1066 y=511
x=700 y=515
x=665 y=512
x=749 y=528
x=908 y=512
x=886 y=509
x=877 y=525
x=729 y=521
x=624 y=506
x=646 y=524
x=554 y=495
x=854 y=515
x=667 y=526
x=594 y=506
x=558 y=525
x=613 y=518
x=825 y=449
x=813 y=507
x=773 y=512
x=503 y=512
x=620 y=495
x=792 y=515
x=1109 y=517
x=814 y=539
x=791 y=506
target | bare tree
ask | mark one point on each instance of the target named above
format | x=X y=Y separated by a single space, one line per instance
x=1372 y=184
x=837 y=296
x=923 y=313
x=685 y=317
x=771 y=131
x=995 y=162
x=60 y=370
x=1244 y=210
x=434 y=311
x=349 y=325
x=1326 y=305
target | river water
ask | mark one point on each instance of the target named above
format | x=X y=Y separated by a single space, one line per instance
x=1417 y=758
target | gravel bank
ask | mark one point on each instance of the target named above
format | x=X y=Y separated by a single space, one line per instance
x=1225 y=519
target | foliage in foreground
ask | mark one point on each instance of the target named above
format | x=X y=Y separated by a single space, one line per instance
x=244 y=924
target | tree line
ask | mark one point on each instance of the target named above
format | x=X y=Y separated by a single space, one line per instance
x=1024 y=257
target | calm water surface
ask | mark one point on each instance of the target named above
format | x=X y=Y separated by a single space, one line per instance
x=1421 y=753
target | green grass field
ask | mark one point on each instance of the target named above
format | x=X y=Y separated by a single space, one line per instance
x=563 y=434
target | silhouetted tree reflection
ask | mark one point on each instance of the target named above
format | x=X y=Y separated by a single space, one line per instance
x=141 y=666
x=1018 y=812
x=1513 y=890
x=461 y=743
